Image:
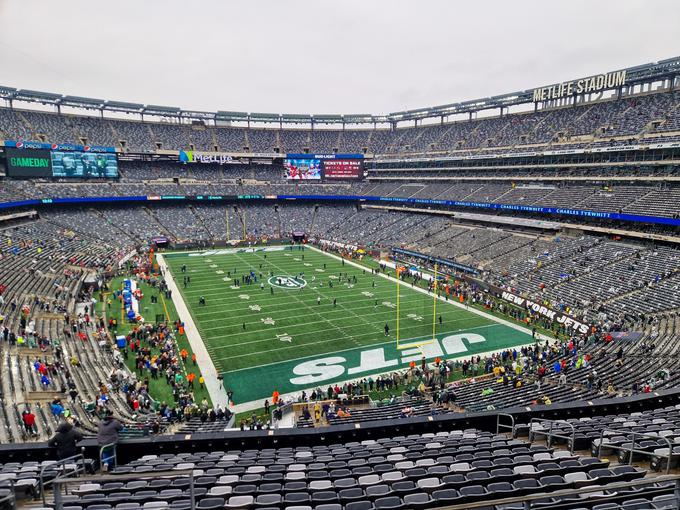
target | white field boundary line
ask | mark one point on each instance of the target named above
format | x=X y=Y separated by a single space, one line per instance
x=321 y=354
x=329 y=320
x=205 y=363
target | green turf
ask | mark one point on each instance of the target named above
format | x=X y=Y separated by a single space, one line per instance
x=258 y=359
x=159 y=389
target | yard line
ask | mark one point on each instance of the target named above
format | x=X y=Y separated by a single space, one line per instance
x=268 y=297
x=370 y=346
x=363 y=300
x=341 y=306
x=315 y=313
x=251 y=332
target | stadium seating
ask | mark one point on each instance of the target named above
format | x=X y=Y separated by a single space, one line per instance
x=649 y=199
x=407 y=471
x=643 y=115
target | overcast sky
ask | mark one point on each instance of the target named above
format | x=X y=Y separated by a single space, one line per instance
x=318 y=56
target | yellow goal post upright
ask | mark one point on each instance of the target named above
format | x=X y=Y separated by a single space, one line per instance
x=231 y=241
x=420 y=342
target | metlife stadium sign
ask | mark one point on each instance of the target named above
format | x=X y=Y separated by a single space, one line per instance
x=583 y=86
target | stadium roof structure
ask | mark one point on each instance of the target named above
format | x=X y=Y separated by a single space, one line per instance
x=122 y=106
x=668 y=69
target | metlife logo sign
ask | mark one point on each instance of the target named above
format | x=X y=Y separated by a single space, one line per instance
x=198 y=157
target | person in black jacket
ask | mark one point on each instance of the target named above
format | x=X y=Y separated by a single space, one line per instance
x=107 y=436
x=65 y=440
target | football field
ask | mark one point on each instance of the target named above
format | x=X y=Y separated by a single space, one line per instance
x=307 y=320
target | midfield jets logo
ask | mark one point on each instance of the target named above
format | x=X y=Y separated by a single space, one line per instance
x=287 y=282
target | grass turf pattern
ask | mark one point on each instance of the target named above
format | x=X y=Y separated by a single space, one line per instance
x=295 y=337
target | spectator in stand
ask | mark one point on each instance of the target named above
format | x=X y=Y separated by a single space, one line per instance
x=28 y=419
x=64 y=441
x=57 y=407
x=107 y=436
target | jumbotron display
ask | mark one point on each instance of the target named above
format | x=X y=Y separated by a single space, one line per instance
x=327 y=166
x=302 y=169
x=84 y=164
x=36 y=159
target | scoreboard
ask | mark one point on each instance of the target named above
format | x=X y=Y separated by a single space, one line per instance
x=40 y=159
x=324 y=166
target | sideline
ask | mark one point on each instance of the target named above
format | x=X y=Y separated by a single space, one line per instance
x=215 y=389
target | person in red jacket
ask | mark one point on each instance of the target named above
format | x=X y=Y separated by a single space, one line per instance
x=29 y=421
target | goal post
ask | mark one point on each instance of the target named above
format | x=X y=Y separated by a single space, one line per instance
x=411 y=343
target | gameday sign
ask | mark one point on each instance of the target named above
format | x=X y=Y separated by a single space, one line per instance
x=28 y=163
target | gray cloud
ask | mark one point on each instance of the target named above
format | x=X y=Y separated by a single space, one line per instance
x=363 y=56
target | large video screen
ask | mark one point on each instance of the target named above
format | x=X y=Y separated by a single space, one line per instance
x=302 y=169
x=86 y=165
x=28 y=163
x=343 y=169
x=75 y=164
